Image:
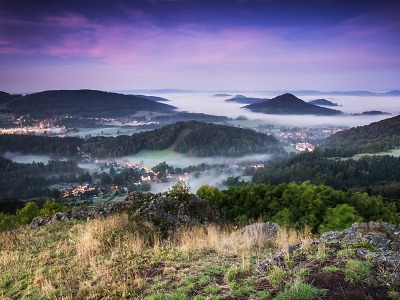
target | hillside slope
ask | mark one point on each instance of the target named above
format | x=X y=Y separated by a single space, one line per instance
x=192 y=137
x=288 y=104
x=156 y=246
x=84 y=103
x=5 y=97
x=199 y=139
x=323 y=102
x=375 y=137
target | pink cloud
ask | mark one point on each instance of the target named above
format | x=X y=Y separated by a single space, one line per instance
x=139 y=50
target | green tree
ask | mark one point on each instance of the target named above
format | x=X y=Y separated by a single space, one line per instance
x=339 y=218
x=213 y=195
x=7 y=221
x=51 y=207
x=283 y=217
x=181 y=190
x=26 y=214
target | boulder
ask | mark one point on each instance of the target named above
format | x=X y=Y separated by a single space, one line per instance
x=375 y=241
x=163 y=211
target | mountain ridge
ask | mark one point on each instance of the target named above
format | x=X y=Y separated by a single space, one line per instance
x=202 y=139
x=83 y=103
x=375 y=137
x=289 y=104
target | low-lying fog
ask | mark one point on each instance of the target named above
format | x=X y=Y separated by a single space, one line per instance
x=210 y=104
x=152 y=158
x=26 y=158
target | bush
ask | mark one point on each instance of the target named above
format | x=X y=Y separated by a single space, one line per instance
x=181 y=190
x=26 y=214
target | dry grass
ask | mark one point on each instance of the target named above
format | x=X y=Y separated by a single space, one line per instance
x=286 y=237
x=109 y=259
x=88 y=260
x=211 y=238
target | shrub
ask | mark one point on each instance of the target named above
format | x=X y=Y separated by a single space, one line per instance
x=181 y=190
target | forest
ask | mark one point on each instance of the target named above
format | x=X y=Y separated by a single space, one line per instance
x=287 y=104
x=375 y=137
x=83 y=103
x=319 y=207
x=379 y=175
x=194 y=138
x=21 y=180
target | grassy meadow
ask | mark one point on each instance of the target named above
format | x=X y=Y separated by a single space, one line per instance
x=109 y=259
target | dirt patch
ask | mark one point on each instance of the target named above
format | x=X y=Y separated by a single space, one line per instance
x=339 y=288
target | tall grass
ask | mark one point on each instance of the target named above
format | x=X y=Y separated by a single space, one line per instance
x=91 y=259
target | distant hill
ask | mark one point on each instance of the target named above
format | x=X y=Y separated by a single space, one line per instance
x=392 y=93
x=154 y=98
x=375 y=137
x=288 y=104
x=246 y=100
x=84 y=103
x=5 y=97
x=221 y=95
x=323 y=102
x=374 y=113
x=192 y=138
x=345 y=93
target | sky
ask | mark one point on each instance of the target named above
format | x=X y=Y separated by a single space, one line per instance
x=202 y=45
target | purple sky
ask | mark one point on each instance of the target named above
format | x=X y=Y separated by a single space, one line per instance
x=200 y=44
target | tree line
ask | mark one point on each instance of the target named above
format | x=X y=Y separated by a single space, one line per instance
x=195 y=138
x=319 y=207
x=27 y=180
x=28 y=212
x=375 y=137
x=374 y=174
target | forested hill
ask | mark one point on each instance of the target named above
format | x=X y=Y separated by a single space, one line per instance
x=193 y=138
x=378 y=175
x=83 y=103
x=5 y=97
x=375 y=137
x=246 y=100
x=288 y=104
x=323 y=102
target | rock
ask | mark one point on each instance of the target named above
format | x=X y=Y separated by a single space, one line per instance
x=163 y=211
x=169 y=212
x=37 y=222
x=384 y=237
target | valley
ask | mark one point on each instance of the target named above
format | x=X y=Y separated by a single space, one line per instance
x=90 y=133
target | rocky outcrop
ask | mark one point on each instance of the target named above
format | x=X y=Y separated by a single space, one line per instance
x=167 y=212
x=163 y=211
x=381 y=240
x=377 y=241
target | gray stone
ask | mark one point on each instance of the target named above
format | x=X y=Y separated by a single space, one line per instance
x=165 y=212
x=380 y=235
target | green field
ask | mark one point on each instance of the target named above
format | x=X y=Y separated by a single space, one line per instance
x=105 y=131
x=395 y=153
x=152 y=158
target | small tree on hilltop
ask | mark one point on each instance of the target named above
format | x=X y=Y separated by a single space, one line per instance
x=181 y=190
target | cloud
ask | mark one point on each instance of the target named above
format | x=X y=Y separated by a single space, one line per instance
x=140 y=46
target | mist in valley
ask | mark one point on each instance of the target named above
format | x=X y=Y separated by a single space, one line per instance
x=26 y=158
x=208 y=103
